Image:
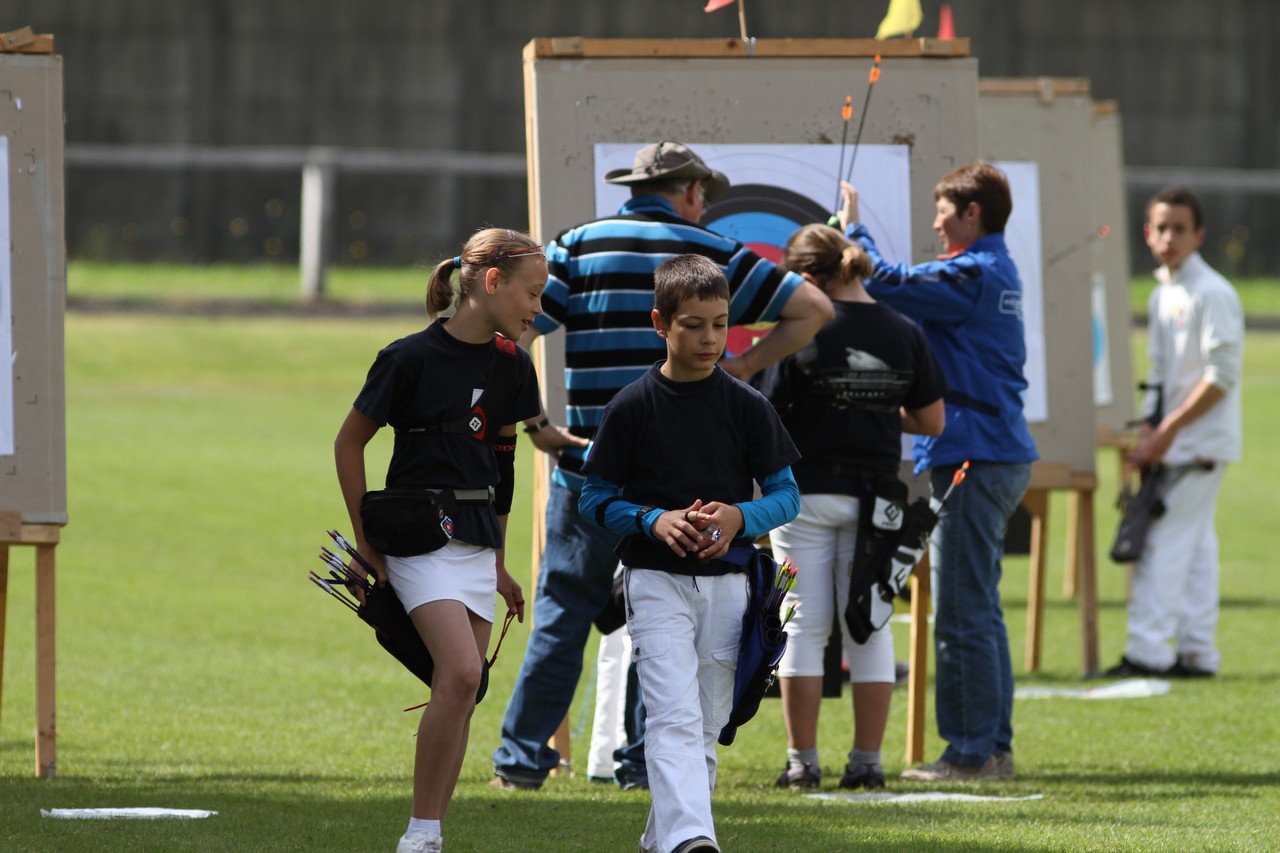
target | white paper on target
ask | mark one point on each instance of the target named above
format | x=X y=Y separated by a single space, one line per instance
x=810 y=172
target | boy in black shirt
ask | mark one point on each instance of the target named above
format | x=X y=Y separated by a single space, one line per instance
x=672 y=469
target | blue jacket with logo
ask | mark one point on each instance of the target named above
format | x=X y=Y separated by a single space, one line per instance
x=970 y=308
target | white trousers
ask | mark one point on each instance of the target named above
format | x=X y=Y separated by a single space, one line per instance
x=1175 y=583
x=821 y=543
x=684 y=639
x=609 y=729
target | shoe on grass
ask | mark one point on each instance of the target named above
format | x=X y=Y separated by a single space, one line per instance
x=700 y=844
x=1004 y=765
x=1182 y=669
x=869 y=776
x=1132 y=669
x=802 y=776
x=502 y=783
x=420 y=842
x=945 y=771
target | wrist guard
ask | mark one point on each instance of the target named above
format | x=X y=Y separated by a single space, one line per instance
x=504 y=450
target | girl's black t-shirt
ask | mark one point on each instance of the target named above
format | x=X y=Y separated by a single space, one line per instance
x=429 y=379
x=839 y=395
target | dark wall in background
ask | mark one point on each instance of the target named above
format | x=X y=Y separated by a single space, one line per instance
x=1197 y=85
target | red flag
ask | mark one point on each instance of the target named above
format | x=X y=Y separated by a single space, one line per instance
x=946 y=29
x=712 y=5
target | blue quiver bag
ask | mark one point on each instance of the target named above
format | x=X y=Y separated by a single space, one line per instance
x=762 y=644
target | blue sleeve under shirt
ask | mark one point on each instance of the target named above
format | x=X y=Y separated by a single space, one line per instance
x=779 y=504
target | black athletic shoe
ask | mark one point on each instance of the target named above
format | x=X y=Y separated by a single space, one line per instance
x=804 y=776
x=701 y=844
x=869 y=776
x=1129 y=669
x=1184 y=670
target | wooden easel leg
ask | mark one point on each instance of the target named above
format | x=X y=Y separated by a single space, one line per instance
x=1036 y=502
x=1088 y=583
x=1071 y=577
x=918 y=678
x=4 y=608
x=46 y=717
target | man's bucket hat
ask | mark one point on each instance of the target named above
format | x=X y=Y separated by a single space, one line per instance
x=671 y=161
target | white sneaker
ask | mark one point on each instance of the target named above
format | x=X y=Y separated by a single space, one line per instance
x=420 y=842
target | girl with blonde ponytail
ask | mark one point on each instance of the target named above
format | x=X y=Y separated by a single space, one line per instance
x=453 y=393
x=845 y=398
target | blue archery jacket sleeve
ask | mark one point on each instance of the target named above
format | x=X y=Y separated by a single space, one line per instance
x=779 y=504
x=945 y=290
x=619 y=515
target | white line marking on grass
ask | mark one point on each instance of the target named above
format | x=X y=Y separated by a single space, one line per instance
x=136 y=814
x=1130 y=688
x=923 y=797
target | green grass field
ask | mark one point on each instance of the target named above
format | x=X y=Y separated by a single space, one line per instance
x=197 y=668
x=280 y=283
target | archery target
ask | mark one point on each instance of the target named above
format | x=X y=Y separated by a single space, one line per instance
x=776 y=189
x=762 y=217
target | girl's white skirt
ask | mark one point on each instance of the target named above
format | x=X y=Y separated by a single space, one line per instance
x=458 y=572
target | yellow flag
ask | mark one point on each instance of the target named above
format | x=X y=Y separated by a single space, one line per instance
x=902 y=19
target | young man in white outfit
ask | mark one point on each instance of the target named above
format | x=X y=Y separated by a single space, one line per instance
x=1196 y=328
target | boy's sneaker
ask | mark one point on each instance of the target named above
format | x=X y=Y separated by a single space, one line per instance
x=420 y=842
x=945 y=771
x=701 y=844
x=869 y=776
x=802 y=776
x=1004 y=765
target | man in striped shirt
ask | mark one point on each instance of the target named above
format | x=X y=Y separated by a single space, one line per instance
x=600 y=290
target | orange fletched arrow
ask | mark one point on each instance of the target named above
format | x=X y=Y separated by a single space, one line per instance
x=857 y=139
x=956 y=479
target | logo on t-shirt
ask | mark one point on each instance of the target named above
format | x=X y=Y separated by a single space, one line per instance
x=1011 y=303
x=859 y=360
x=477 y=421
x=865 y=382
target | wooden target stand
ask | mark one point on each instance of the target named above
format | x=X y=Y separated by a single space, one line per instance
x=33 y=473
x=44 y=537
x=1046 y=478
x=583 y=91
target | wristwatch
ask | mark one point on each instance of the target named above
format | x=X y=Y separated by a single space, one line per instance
x=538 y=427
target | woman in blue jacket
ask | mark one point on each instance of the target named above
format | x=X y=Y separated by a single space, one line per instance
x=969 y=304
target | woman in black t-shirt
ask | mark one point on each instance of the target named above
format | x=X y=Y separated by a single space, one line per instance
x=453 y=393
x=846 y=398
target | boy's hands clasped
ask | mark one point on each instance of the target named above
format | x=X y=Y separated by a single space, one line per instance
x=706 y=530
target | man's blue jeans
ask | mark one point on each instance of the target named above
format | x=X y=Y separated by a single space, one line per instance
x=974 y=675
x=574 y=582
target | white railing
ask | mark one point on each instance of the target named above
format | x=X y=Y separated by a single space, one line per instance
x=319 y=166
